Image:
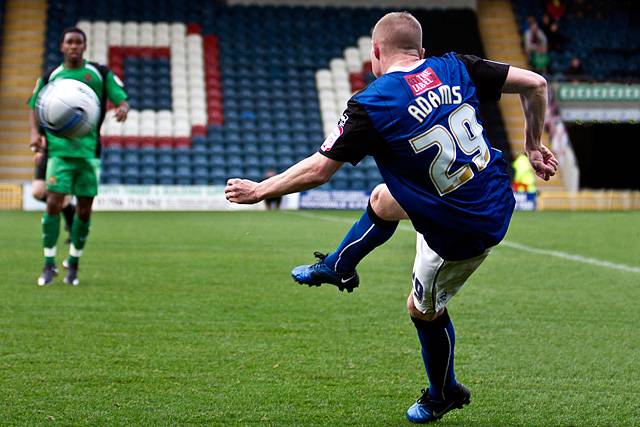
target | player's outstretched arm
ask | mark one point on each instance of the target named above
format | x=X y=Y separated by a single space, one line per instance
x=308 y=173
x=532 y=89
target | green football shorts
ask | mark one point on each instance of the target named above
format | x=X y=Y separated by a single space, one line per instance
x=73 y=175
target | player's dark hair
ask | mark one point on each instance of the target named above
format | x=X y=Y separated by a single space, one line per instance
x=73 y=30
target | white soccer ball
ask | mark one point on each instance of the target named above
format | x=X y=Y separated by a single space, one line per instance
x=68 y=108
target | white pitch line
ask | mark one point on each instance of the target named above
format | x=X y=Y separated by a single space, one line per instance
x=572 y=257
x=508 y=244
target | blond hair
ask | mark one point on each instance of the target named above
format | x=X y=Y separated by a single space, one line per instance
x=398 y=32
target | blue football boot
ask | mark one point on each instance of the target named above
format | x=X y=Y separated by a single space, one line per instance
x=319 y=273
x=426 y=409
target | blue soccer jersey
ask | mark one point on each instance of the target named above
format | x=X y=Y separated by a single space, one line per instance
x=423 y=128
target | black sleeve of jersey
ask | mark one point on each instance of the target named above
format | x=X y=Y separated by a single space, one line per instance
x=353 y=138
x=488 y=76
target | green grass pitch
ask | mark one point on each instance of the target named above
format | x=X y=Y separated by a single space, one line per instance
x=192 y=318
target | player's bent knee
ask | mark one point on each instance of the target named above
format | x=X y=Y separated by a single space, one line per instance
x=376 y=195
x=384 y=205
x=417 y=314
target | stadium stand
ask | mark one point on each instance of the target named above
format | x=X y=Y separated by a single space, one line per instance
x=203 y=109
x=605 y=35
x=502 y=42
x=21 y=62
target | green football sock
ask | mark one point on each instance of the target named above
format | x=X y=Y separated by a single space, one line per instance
x=79 y=233
x=50 y=233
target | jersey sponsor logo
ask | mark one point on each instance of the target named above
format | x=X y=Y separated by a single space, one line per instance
x=423 y=81
x=52 y=180
x=335 y=134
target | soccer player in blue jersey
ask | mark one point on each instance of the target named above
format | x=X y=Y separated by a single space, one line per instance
x=420 y=122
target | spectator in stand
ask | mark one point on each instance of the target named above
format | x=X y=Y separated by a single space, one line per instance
x=535 y=46
x=556 y=9
x=581 y=8
x=545 y=24
x=575 y=72
x=555 y=40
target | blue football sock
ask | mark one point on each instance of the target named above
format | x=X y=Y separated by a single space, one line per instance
x=438 y=340
x=369 y=232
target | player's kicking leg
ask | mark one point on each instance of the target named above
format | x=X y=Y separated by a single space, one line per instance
x=79 y=234
x=376 y=225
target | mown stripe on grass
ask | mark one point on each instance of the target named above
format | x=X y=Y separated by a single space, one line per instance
x=513 y=245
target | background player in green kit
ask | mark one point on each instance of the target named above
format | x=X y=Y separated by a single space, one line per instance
x=73 y=164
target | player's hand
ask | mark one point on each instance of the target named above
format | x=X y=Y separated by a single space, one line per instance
x=38 y=143
x=242 y=191
x=122 y=111
x=543 y=161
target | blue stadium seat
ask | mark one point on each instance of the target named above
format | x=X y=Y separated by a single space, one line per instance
x=285 y=162
x=148 y=172
x=182 y=159
x=218 y=176
x=217 y=149
x=252 y=161
x=200 y=150
x=302 y=150
x=199 y=159
x=234 y=148
x=234 y=161
x=254 y=173
x=284 y=149
x=131 y=175
x=183 y=175
x=340 y=184
x=357 y=184
x=148 y=158
x=250 y=147
x=357 y=174
x=235 y=172
x=131 y=158
x=112 y=157
x=269 y=162
x=165 y=159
